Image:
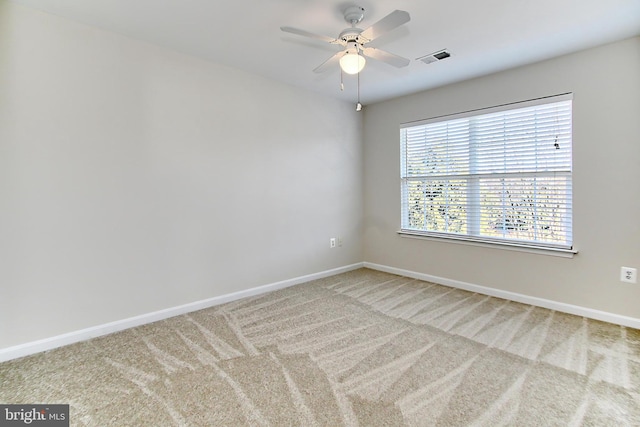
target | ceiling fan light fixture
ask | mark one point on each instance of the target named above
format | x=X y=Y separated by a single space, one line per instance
x=352 y=62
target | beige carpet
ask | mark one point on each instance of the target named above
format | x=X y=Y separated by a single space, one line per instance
x=361 y=348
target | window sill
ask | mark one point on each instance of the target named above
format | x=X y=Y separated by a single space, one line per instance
x=519 y=247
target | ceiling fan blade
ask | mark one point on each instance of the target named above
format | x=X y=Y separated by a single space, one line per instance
x=384 y=56
x=307 y=34
x=329 y=62
x=388 y=23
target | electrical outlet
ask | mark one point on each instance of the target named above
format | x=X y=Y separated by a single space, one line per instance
x=332 y=242
x=628 y=274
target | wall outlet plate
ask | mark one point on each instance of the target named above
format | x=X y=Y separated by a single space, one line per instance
x=628 y=274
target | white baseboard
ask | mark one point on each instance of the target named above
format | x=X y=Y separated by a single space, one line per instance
x=119 y=325
x=29 y=348
x=604 y=316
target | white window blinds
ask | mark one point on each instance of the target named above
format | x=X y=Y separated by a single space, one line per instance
x=496 y=175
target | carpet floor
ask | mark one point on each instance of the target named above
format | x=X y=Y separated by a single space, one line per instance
x=361 y=348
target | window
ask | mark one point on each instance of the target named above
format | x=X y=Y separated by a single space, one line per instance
x=497 y=175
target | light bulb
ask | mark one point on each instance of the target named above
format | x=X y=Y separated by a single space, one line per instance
x=352 y=62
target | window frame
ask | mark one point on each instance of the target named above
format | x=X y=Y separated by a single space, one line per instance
x=539 y=247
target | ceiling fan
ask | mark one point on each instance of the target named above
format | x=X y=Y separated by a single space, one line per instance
x=354 y=40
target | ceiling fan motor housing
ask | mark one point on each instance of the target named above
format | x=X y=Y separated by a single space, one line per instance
x=351 y=35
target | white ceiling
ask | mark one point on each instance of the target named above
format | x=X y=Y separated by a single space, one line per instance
x=483 y=36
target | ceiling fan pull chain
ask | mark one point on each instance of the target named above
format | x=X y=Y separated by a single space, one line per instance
x=358 y=105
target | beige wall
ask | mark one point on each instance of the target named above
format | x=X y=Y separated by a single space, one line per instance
x=606 y=85
x=134 y=179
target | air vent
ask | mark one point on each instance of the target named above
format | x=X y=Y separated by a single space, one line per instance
x=435 y=56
